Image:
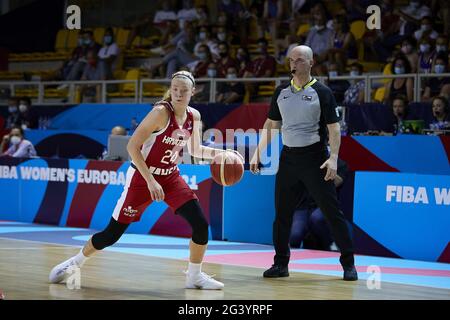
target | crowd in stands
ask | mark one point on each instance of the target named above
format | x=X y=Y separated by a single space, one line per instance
x=252 y=38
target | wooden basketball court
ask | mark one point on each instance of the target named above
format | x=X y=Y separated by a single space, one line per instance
x=25 y=265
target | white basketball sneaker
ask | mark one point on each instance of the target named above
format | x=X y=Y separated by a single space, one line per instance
x=202 y=281
x=60 y=272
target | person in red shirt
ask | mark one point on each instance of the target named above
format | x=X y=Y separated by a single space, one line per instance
x=153 y=175
x=263 y=66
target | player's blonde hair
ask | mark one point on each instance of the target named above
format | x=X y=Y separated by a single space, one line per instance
x=183 y=75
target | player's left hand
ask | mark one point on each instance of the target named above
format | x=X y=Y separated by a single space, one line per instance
x=237 y=153
x=331 y=165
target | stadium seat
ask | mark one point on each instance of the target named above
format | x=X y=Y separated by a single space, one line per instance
x=122 y=37
x=303 y=29
x=358 y=28
x=61 y=40
x=99 y=32
x=72 y=41
x=379 y=94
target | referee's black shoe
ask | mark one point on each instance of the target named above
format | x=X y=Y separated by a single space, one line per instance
x=350 y=274
x=276 y=271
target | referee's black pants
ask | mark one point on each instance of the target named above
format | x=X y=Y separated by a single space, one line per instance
x=299 y=170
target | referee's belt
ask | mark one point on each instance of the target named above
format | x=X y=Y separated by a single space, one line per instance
x=158 y=171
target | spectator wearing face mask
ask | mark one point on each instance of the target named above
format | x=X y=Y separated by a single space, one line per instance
x=426 y=55
x=439 y=85
x=408 y=48
x=399 y=86
x=13 y=117
x=107 y=56
x=339 y=87
x=263 y=66
x=88 y=44
x=231 y=91
x=320 y=40
x=225 y=61
x=18 y=146
x=411 y=15
x=442 y=44
x=205 y=38
x=202 y=89
x=243 y=60
x=441 y=114
x=28 y=117
x=426 y=29
x=91 y=73
x=200 y=67
x=343 y=43
x=355 y=93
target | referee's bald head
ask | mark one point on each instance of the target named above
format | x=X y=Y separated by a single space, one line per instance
x=301 y=60
x=305 y=51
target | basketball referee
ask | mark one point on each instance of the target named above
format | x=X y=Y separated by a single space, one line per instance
x=305 y=109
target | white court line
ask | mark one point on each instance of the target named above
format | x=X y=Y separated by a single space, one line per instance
x=42 y=242
x=32 y=248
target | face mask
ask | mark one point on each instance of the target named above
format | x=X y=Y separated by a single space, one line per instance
x=424 y=47
x=231 y=76
x=226 y=2
x=399 y=70
x=319 y=28
x=406 y=49
x=212 y=73
x=221 y=36
x=261 y=50
x=23 y=108
x=441 y=48
x=202 y=55
x=354 y=73
x=15 y=140
x=439 y=68
x=87 y=42
x=333 y=73
x=202 y=35
x=425 y=27
x=107 y=39
x=12 y=109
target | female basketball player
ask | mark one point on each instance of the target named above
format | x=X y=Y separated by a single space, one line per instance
x=153 y=176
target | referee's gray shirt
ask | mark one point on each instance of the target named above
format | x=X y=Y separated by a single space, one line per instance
x=304 y=112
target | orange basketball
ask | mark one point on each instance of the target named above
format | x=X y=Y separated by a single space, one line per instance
x=227 y=168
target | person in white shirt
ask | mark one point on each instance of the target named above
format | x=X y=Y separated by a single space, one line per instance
x=426 y=29
x=108 y=55
x=412 y=14
x=18 y=146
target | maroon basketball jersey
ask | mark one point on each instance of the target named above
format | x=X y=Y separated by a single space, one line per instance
x=163 y=148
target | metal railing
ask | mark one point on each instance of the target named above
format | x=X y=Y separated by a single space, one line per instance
x=137 y=92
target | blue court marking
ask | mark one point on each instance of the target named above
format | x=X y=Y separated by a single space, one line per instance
x=415 y=280
x=385 y=262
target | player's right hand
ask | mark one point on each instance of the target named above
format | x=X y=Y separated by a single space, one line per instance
x=254 y=164
x=156 y=191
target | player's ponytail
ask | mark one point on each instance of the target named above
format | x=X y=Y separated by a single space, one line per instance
x=167 y=96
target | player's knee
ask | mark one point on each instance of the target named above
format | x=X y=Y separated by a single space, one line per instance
x=200 y=232
x=109 y=236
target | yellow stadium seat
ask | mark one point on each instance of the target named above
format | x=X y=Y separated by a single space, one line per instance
x=98 y=34
x=387 y=71
x=379 y=94
x=303 y=29
x=122 y=37
x=358 y=28
x=61 y=40
x=132 y=74
x=72 y=41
